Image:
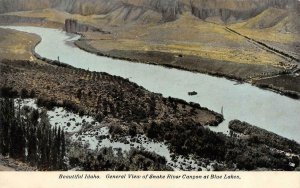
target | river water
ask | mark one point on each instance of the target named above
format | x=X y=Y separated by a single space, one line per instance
x=265 y=109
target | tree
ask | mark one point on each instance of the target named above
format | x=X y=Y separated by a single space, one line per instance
x=24 y=138
x=132 y=130
x=24 y=93
x=63 y=150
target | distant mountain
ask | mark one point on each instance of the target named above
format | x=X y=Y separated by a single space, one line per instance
x=226 y=11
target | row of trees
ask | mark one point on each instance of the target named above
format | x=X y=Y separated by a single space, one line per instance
x=26 y=135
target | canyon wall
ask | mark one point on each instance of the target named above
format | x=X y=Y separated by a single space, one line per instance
x=234 y=10
x=72 y=26
x=169 y=10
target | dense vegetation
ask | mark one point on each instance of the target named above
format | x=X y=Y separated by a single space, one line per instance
x=261 y=136
x=26 y=135
x=25 y=138
x=189 y=138
x=98 y=94
x=246 y=154
x=106 y=160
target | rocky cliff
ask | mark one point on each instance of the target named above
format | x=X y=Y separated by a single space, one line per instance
x=72 y=26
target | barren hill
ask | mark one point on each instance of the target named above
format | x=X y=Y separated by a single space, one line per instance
x=167 y=10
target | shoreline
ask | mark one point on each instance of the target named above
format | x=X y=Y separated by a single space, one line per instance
x=270 y=87
x=288 y=93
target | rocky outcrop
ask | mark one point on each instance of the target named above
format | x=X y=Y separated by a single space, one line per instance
x=72 y=26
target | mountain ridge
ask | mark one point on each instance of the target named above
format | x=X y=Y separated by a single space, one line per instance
x=168 y=10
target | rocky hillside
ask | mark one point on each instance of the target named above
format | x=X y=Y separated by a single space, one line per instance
x=279 y=19
x=154 y=10
x=236 y=10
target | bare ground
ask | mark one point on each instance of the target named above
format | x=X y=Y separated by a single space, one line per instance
x=8 y=164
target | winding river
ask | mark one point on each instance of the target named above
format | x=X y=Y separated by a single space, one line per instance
x=265 y=109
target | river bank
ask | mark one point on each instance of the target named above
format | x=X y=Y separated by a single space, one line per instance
x=229 y=70
x=98 y=87
x=232 y=71
x=167 y=56
x=287 y=84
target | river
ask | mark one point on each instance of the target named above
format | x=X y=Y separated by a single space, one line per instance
x=265 y=109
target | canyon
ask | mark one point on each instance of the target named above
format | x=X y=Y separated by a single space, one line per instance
x=176 y=72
